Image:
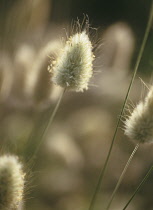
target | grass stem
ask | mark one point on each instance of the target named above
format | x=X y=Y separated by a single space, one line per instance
x=122 y=175
x=102 y=173
x=47 y=126
x=139 y=186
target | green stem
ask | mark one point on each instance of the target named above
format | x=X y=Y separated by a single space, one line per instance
x=102 y=173
x=51 y=118
x=122 y=175
x=139 y=186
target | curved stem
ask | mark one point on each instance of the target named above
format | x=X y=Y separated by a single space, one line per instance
x=102 y=173
x=51 y=118
x=122 y=175
x=139 y=186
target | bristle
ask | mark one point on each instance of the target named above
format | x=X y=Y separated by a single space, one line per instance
x=139 y=126
x=73 y=68
x=11 y=182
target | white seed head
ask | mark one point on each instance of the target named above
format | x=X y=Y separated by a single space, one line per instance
x=139 y=126
x=11 y=183
x=73 y=67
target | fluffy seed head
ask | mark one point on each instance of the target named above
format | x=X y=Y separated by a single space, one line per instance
x=73 y=67
x=11 y=183
x=139 y=126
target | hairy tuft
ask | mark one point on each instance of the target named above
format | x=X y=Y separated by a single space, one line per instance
x=11 y=182
x=139 y=126
x=73 y=68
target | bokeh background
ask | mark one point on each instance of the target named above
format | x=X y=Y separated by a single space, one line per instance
x=68 y=163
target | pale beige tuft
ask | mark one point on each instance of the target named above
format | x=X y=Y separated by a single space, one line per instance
x=139 y=126
x=73 y=67
x=11 y=182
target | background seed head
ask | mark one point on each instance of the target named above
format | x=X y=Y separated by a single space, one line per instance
x=11 y=182
x=139 y=126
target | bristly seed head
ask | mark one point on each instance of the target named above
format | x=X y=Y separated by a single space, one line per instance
x=139 y=126
x=73 y=68
x=11 y=183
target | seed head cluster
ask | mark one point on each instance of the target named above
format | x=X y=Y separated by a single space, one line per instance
x=139 y=126
x=73 y=67
x=11 y=183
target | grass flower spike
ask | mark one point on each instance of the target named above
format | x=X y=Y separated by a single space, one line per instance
x=11 y=182
x=139 y=126
x=73 y=68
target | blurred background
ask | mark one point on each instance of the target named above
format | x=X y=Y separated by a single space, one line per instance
x=68 y=164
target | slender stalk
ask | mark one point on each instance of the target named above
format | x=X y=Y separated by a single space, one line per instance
x=102 y=173
x=139 y=186
x=122 y=175
x=51 y=118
